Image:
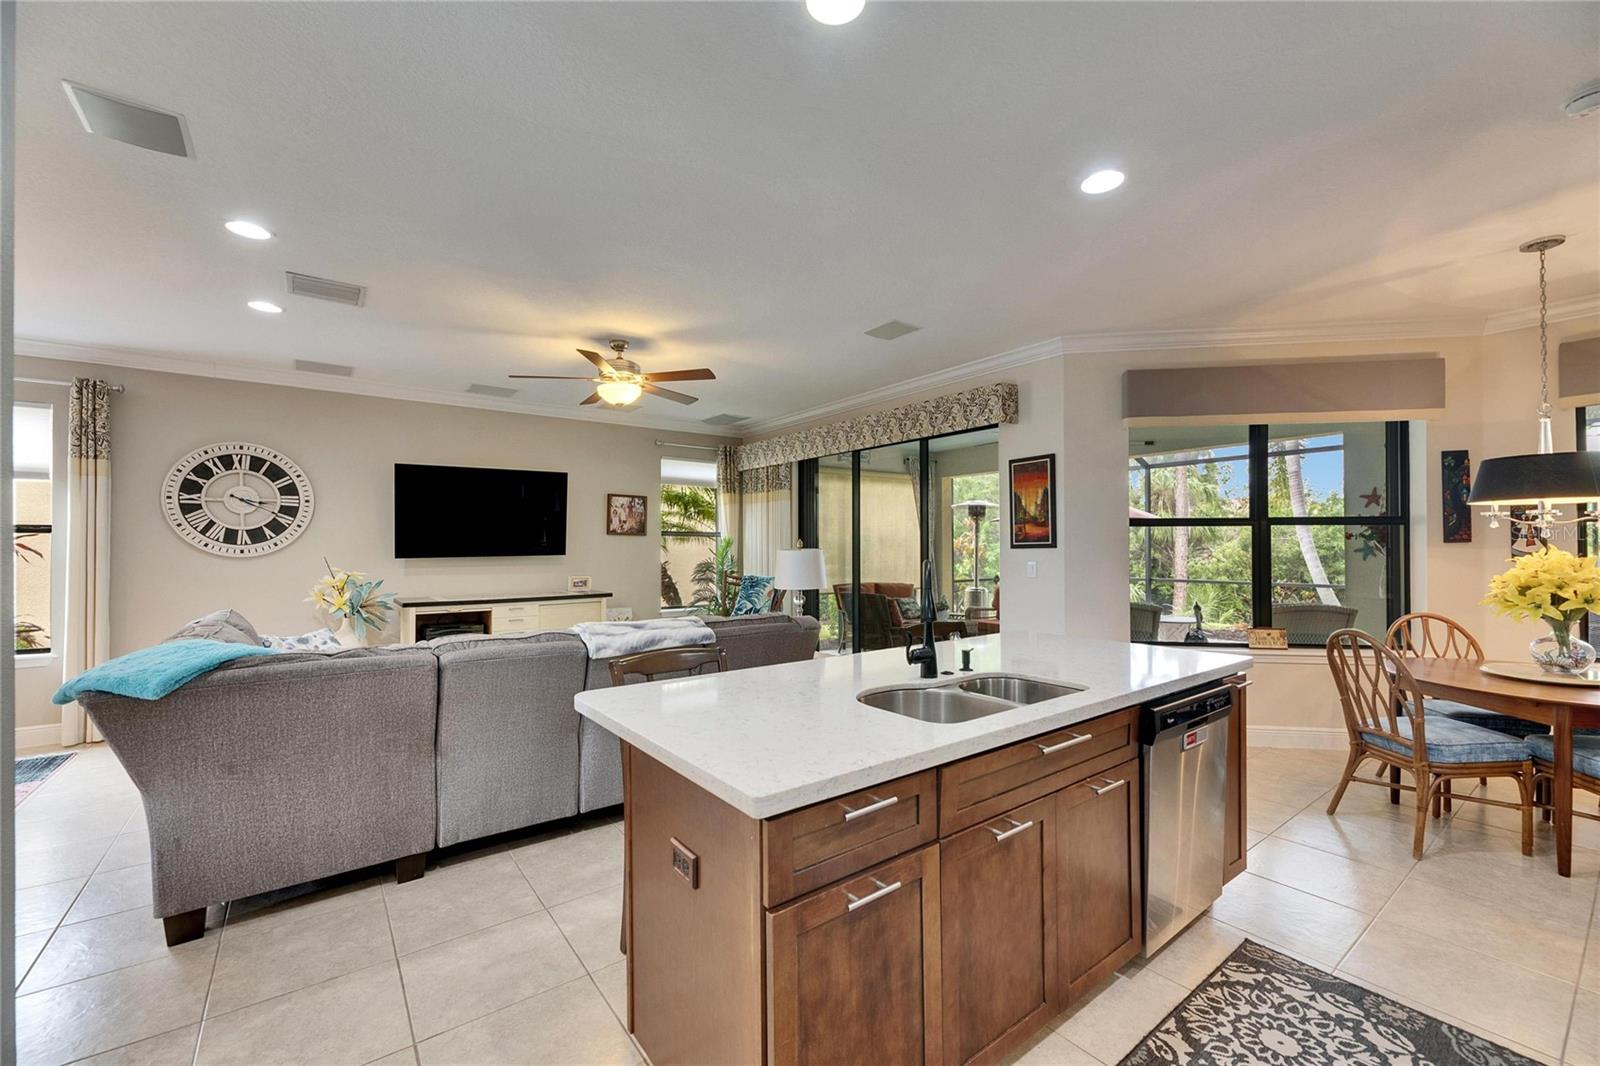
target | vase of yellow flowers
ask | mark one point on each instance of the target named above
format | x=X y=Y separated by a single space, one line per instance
x=348 y=595
x=1557 y=588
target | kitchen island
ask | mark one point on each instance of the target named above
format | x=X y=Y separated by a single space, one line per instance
x=813 y=878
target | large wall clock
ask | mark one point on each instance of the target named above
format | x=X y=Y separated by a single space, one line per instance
x=237 y=499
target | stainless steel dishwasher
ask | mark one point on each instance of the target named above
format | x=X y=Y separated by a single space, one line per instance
x=1185 y=749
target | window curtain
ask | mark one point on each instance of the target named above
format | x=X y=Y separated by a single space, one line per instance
x=88 y=621
x=766 y=523
x=728 y=491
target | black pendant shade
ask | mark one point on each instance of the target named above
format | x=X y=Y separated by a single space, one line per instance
x=1560 y=477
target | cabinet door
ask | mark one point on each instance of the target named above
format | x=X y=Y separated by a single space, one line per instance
x=998 y=906
x=1102 y=926
x=853 y=970
x=1236 y=837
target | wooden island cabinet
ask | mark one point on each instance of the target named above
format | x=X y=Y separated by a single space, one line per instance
x=939 y=918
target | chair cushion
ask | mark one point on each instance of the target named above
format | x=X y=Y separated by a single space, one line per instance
x=1500 y=723
x=1452 y=741
x=1585 y=752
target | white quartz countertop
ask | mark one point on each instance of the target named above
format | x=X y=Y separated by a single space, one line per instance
x=772 y=739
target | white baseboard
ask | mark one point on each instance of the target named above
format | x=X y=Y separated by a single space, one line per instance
x=1298 y=736
x=38 y=736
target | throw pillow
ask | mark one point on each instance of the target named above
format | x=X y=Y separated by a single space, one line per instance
x=228 y=626
x=910 y=609
x=755 y=595
x=316 y=640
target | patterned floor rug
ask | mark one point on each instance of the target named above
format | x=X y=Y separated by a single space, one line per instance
x=36 y=770
x=1263 y=1007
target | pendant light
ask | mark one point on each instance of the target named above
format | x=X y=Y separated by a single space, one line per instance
x=1537 y=483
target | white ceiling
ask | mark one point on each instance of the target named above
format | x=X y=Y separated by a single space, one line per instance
x=734 y=185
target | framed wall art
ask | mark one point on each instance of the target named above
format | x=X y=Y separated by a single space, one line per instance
x=626 y=515
x=1033 y=501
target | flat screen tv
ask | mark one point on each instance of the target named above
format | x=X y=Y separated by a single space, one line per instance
x=456 y=511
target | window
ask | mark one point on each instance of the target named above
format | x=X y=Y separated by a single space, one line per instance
x=33 y=512
x=879 y=512
x=1302 y=527
x=688 y=526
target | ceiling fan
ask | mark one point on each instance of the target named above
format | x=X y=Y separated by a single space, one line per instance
x=620 y=381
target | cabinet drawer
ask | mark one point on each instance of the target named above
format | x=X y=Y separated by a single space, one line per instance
x=990 y=784
x=514 y=619
x=817 y=845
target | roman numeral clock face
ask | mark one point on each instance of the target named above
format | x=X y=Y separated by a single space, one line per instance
x=237 y=499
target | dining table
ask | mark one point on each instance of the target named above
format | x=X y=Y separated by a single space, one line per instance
x=1562 y=707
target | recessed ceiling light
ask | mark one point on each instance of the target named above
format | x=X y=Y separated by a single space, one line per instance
x=1101 y=181
x=265 y=307
x=240 y=228
x=835 y=12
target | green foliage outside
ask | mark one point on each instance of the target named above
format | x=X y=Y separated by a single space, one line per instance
x=1217 y=489
x=975 y=487
x=684 y=508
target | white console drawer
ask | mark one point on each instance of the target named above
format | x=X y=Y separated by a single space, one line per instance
x=561 y=614
x=514 y=618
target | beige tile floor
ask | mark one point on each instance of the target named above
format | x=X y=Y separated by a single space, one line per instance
x=508 y=953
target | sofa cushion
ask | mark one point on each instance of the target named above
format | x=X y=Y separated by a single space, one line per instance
x=1452 y=741
x=895 y=590
x=1585 y=752
x=228 y=626
x=316 y=640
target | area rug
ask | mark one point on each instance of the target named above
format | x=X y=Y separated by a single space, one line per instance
x=1263 y=1007
x=36 y=770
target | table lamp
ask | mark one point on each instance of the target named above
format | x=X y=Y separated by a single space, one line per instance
x=800 y=570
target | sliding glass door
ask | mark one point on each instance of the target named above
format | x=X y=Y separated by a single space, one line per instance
x=879 y=513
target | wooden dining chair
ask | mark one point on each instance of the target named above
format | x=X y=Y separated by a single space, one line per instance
x=1585 y=771
x=655 y=666
x=1388 y=722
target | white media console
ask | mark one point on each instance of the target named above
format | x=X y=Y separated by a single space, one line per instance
x=424 y=616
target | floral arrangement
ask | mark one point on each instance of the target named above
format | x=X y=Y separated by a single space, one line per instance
x=349 y=595
x=1549 y=584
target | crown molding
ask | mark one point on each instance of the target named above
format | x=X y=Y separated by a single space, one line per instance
x=1176 y=339
x=1528 y=317
x=161 y=363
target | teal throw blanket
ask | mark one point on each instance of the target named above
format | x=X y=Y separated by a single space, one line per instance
x=150 y=673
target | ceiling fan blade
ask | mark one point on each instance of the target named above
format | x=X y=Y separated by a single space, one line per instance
x=595 y=358
x=702 y=374
x=594 y=397
x=550 y=377
x=668 y=394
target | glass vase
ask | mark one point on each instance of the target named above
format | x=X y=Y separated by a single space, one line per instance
x=1560 y=651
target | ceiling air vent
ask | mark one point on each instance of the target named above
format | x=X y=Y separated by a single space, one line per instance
x=339 y=292
x=499 y=391
x=892 y=330
x=128 y=122
x=338 y=370
x=725 y=420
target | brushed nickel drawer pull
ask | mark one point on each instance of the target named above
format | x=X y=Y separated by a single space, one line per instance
x=1016 y=827
x=876 y=805
x=1077 y=738
x=862 y=901
x=1109 y=786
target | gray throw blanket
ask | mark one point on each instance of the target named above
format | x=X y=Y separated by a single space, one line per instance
x=607 y=640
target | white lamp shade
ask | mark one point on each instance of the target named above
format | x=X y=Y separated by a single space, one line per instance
x=801 y=569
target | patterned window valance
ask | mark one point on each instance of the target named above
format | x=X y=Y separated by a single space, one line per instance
x=985 y=405
x=766 y=478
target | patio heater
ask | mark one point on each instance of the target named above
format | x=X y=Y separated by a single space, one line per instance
x=974 y=595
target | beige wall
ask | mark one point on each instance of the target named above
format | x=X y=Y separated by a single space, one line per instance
x=1071 y=405
x=347 y=446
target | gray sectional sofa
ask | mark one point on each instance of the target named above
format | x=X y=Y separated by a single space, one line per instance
x=276 y=770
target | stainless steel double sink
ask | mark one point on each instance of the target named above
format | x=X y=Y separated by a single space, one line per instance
x=966 y=699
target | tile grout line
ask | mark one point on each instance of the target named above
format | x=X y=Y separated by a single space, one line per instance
x=205 y=1006
x=1589 y=946
x=400 y=971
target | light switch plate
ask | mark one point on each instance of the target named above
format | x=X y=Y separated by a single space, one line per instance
x=1033 y=568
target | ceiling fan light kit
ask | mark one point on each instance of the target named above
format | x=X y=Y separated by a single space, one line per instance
x=620 y=381
x=1535 y=483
